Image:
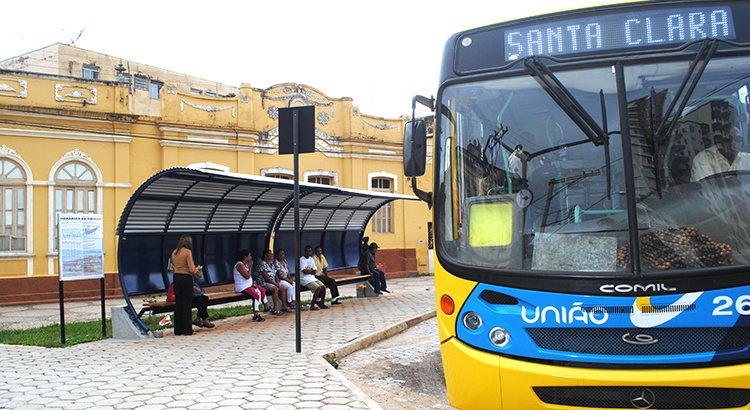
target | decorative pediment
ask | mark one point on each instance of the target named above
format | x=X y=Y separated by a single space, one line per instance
x=379 y=126
x=292 y=95
x=207 y=108
x=76 y=93
x=75 y=154
x=11 y=87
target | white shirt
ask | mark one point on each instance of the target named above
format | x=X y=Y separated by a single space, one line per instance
x=306 y=263
x=240 y=283
x=710 y=161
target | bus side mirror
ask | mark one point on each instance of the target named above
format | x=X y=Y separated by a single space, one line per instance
x=415 y=148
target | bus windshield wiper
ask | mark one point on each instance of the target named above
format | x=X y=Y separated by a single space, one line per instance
x=669 y=121
x=695 y=71
x=557 y=91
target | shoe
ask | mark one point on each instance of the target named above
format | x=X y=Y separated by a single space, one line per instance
x=275 y=312
x=377 y=292
x=258 y=318
x=335 y=302
x=322 y=306
x=385 y=290
x=208 y=324
x=198 y=322
x=287 y=309
x=313 y=307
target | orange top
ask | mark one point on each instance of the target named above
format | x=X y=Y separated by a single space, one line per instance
x=183 y=262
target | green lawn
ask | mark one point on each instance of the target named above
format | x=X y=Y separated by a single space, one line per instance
x=84 y=332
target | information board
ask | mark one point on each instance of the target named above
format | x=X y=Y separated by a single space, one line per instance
x=81 y=253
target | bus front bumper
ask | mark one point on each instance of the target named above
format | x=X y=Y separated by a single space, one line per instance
x=480 y=380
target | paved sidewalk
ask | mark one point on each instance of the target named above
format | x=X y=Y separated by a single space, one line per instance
x=240 y=364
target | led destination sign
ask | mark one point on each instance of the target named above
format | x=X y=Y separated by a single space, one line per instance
x=619 y=31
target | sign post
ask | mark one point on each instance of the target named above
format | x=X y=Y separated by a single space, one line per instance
x=80 y=256
x=297 y=136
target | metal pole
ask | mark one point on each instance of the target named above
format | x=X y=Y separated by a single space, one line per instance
x=62 y=313
x=60 y=287
x=104 y=315
x=297 y=272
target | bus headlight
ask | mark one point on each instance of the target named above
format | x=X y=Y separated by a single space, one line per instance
x=499 y=336
x=472 y=321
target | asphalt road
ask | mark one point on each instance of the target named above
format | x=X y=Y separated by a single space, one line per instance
x=404 y=371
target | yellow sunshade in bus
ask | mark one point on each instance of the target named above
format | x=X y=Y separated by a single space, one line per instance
x=490 y=224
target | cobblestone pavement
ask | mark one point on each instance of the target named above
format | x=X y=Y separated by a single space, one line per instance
x=240 y=364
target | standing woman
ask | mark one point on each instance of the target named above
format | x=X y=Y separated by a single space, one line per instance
x=184 y=270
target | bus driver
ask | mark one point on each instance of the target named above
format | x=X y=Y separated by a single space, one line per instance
x=723 y=156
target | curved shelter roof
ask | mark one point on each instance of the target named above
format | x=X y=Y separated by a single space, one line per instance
x=225 y=212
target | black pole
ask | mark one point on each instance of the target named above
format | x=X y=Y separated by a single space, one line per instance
x=297 y=272
x=62 y=313
x=104 y=315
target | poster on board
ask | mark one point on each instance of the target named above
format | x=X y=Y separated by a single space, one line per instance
x=81 y=246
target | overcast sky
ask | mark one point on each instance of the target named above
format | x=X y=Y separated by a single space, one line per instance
x=380 y=53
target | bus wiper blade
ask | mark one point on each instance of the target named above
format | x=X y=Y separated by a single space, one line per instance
x=565 y=100
x=695 y=71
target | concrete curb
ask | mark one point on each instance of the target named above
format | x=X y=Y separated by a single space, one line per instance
x=363 y=342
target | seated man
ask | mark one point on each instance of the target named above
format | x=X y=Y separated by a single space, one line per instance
x=307 y=279
x=723 y=156
x=367 y=265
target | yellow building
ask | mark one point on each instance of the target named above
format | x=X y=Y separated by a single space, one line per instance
x=79 y=132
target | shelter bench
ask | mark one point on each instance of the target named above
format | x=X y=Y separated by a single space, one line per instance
x=219 y=298
x=216 y=298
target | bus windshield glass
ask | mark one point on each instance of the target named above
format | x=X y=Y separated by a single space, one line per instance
x=532 y=174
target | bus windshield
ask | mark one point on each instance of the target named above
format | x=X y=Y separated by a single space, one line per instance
x=534 y=178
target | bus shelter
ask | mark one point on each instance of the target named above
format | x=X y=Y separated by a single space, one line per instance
x=226 y=212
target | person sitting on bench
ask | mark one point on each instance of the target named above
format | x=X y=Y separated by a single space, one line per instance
x=369 y=266
x=308 y=280
x=243 y=282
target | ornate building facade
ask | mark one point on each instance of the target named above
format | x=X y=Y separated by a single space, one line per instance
x=79 y=132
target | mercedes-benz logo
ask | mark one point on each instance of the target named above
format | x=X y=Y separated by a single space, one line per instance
x=642 y=398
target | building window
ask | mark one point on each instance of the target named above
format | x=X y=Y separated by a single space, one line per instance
x=278 y=173
x=75 y=191
x=196 y=91
x=209 y=94
x=280 y=176
x=90 y=72
x=154 y=89
x=13 y=206
x=140 y=83
x=382 y=221
x=320 y=180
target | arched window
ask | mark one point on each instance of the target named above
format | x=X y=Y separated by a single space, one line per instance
x=322 y=177
x=13 y=206
x=280 y=173
x=75 y=190
x=382 y=221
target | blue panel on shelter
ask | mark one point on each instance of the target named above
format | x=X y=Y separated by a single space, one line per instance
x=332 y=248
x=352 y=243
x=142 y=267
x=220 y=257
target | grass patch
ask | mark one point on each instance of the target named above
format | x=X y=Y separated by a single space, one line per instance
x=49 y=336
x=91 y=331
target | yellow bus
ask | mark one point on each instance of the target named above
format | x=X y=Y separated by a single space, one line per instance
x=591 y=206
